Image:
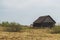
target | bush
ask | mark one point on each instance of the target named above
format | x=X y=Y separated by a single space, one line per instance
x=11 y=27
x=14 y=27
x=56 y=29
x=5 y=24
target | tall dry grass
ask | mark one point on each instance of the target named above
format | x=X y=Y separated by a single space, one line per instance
x=28 y=33
x=33 y=34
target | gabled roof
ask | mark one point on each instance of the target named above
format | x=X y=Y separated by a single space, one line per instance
x=42 y=18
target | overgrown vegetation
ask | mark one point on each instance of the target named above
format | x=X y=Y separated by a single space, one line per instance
x=55 y=29
x=16 y=27
x=11 y=27
x=28 y=33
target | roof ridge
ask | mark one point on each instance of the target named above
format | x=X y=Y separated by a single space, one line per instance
x=42 y=18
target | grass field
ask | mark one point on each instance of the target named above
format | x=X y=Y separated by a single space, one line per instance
x=29 y=34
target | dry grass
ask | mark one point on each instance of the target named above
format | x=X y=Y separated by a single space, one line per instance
x=29 y=34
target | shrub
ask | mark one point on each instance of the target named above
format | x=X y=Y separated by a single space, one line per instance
x=14 y=27
x=11 y=27
x=5 y=24
x=56 y=29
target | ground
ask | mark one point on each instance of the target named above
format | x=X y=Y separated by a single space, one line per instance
x=29 y=34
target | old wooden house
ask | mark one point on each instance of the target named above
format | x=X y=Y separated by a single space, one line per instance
x=44 y=21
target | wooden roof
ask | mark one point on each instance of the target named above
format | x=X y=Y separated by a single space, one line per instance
x=42 y=18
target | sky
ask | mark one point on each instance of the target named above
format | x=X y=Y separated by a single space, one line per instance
x=27 y=11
